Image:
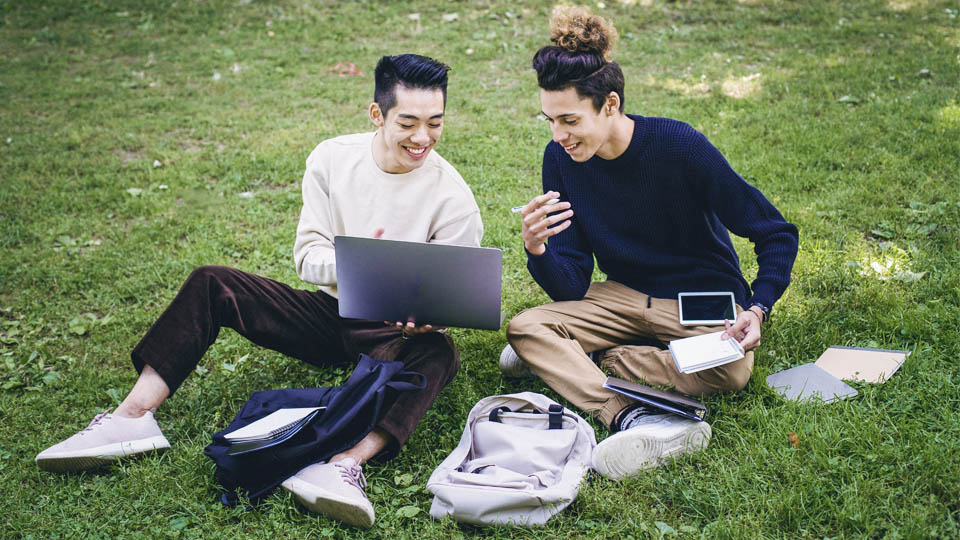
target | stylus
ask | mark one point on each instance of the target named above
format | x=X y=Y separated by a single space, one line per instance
x=517 y=209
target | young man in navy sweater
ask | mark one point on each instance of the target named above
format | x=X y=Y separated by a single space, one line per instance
x=653 y=201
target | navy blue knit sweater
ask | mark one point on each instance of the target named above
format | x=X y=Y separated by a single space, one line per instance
x=657 y=219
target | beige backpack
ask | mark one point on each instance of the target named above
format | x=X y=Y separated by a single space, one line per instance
x=520 y=460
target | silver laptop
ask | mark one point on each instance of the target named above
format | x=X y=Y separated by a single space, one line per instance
x=438 y=284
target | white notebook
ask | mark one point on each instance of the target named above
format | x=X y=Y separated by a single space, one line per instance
x=272 y=425
x=705 y=351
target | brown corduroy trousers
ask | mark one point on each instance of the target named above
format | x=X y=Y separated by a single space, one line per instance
x=298 y=323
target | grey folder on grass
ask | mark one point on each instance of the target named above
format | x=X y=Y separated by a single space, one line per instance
x=809 y=381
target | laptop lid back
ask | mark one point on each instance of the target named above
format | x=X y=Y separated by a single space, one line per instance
x=438 y=284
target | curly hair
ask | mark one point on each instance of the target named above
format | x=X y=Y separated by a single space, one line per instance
x=574 y=29
x=580 y=57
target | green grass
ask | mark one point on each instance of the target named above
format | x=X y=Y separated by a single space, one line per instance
x=845 y=114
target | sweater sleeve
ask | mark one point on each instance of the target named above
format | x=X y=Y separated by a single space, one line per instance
x=564 y=269
x=464 y=231
x=744 y=211
x=313 y=250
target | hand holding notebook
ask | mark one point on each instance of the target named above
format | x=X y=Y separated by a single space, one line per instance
x=705 y=351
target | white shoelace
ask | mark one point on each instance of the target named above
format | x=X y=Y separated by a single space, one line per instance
x=97 y=420
x=353 y=475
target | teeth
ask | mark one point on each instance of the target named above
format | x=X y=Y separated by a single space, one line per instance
x=571 y=147
x=417 y=151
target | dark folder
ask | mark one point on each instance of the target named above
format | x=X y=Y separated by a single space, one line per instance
x=668 y=401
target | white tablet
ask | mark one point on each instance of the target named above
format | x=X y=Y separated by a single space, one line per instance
x=706 y=308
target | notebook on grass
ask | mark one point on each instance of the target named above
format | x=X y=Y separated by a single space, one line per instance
x=861 y=364
x=809 y=381
x=668 y=401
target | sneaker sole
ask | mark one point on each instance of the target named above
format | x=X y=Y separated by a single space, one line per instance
x=627 y=453
x=329 y=504
x=92 y=458
x=514 y=368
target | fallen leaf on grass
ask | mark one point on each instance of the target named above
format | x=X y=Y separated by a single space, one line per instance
x=907 y=276
x=793 y=440
x=408 y=511
x=664 y=528
x=345 y=69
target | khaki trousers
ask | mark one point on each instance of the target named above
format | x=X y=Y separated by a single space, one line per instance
x=555 y=340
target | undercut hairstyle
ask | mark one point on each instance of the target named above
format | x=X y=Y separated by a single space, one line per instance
x=411 y=71
x=580 y=56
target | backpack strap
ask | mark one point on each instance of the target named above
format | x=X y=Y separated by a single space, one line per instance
x=495 y=413
x=403 y=386
x=556 y=416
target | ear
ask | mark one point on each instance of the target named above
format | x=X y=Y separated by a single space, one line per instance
x=376 y=115
x=612 y=103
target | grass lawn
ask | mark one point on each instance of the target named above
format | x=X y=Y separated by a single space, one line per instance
x=139 y=140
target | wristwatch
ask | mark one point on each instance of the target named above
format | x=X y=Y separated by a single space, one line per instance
x=764 y=309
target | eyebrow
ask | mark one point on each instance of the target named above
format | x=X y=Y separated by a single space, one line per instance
x=414 y=117
x=564 y=115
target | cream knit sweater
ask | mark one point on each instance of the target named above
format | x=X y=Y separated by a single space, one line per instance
x=345 y=192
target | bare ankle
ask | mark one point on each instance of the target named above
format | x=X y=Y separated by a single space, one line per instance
x=128 y=410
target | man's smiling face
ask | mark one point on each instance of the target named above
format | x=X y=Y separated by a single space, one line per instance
x=410 y=129
x=575 y=123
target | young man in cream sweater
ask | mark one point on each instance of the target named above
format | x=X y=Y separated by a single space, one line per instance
x=388 y=183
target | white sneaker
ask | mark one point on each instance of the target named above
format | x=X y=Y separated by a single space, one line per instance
x=647 y=443
x=335 y=490
x=107 y=438
x=512 y=365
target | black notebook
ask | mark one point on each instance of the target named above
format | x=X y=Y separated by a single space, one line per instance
x=668 y=401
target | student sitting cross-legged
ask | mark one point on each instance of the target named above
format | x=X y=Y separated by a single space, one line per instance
x=653 y=201
x=388 y=183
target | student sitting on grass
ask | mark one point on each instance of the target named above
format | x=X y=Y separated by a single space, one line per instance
x=653 y=201
x=385 y=183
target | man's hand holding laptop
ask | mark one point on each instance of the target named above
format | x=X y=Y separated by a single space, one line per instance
x=408 y=328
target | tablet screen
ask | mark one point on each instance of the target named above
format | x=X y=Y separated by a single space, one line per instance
x=706 y=308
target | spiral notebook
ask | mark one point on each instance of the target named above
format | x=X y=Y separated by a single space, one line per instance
x=271 y=430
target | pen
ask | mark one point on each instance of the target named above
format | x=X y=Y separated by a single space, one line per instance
x=517 y=209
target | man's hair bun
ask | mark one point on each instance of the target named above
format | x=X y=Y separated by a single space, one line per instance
x=574 y=29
